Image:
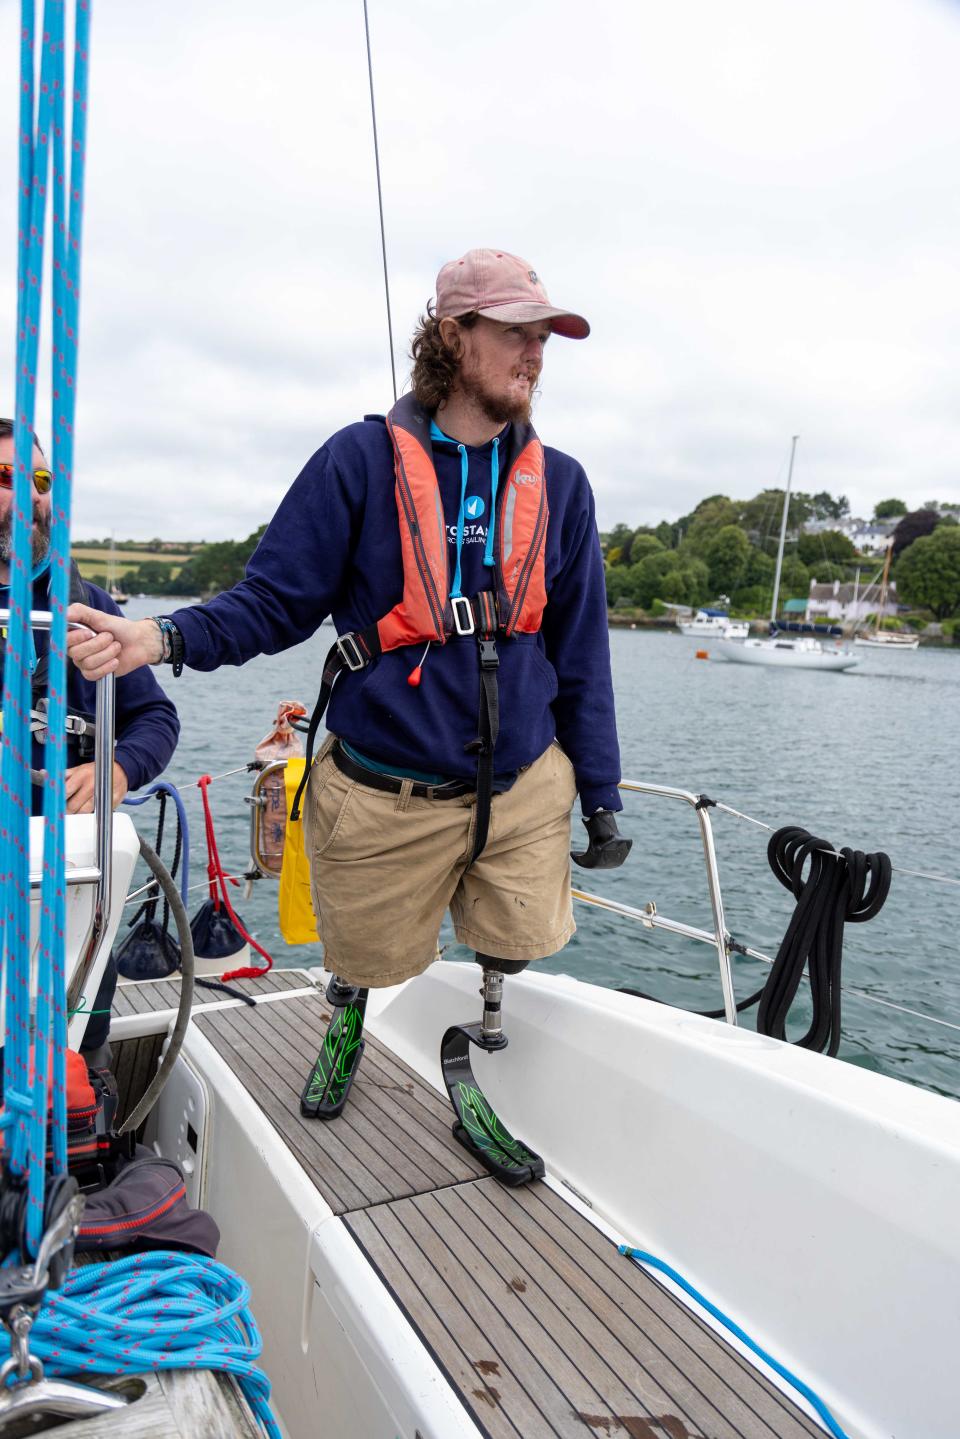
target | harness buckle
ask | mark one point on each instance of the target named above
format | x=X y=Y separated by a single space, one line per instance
x=489 y=659
x=350 y=652
x=463 y=626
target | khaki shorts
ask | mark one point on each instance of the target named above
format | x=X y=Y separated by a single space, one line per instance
x=385 y=867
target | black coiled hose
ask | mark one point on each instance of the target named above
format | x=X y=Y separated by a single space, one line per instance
x=841 y=887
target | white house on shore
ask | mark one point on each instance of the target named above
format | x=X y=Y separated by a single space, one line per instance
x=846 y=604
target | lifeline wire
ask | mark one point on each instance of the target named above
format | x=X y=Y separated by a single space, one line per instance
x=154 y=1311
x=897 y=869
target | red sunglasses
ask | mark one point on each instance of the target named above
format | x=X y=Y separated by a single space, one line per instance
x=43 y=479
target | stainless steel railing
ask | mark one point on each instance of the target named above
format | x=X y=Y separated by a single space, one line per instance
x=100 y=873
x=719 y=937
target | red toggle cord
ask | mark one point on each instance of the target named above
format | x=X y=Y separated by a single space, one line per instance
x=218 y=890
x=416 y=674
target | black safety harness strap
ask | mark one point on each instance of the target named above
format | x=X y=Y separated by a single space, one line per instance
x=354 y=651
x=484 y=608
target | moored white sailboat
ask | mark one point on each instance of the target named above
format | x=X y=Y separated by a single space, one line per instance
x=783 y=649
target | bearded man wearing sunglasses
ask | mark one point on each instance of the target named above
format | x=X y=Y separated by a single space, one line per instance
x=147 y=727
x=146 y=723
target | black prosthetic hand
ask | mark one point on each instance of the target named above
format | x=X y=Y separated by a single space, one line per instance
x=607 y=848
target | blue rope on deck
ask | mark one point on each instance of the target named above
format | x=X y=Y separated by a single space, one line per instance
x=154 y=1311
x=651 y=1261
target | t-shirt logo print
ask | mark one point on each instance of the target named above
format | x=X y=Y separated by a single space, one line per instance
x=474 y=507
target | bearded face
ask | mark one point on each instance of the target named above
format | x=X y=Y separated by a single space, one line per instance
x=40 y=535
x=39 y=539
x=500 y=367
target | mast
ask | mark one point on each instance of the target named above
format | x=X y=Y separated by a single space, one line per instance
x=881 y=607
x=783 y=532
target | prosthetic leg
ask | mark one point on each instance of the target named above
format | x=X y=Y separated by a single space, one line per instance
x=326 y=1090
x=477 y=1126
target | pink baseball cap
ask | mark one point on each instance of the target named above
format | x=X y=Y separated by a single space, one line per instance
x=502 y=287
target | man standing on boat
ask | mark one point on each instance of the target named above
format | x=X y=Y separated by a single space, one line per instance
x=147 y=727
x=473 y=699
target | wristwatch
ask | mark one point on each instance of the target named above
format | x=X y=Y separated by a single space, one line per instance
x=172 y=641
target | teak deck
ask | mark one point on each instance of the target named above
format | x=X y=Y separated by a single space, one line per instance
x=540 y=1326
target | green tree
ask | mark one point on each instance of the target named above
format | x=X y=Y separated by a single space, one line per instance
x=709 y=517
x=686 y=585
x=758 y=569
x=889 y=509
x=726 y=557
x=794 y=580
x=643 y=545
x=648 y=576
x=928 y=573
x=761 y=515
x=219 y=566
x=619 y=536
x=825 y=507
x=620 y=585
x=827 y=545
x=667 y=535
x=826 y=571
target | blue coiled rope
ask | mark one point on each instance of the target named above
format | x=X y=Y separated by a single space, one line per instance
x=154 y=1311
x=650 y=1261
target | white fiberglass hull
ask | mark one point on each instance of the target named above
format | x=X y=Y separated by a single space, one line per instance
x=705 y=630
x=888 y=642
x=797 y=1192
x=787 y=654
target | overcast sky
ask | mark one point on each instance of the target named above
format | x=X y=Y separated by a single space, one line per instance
x=756 y=205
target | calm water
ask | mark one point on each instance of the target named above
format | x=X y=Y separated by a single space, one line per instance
x=867 y=759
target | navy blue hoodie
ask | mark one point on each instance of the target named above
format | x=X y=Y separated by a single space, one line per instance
x=146 y=723
x=333 y=548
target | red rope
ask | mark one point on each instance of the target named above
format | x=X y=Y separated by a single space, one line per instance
x=218 y=890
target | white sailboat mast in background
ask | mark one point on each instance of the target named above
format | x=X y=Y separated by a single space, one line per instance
x=787 y=650
x=783 y=533
x=114 y=590
x=879 y=638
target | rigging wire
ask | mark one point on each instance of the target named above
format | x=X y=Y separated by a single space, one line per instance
x=897 y=869
x=383 y=233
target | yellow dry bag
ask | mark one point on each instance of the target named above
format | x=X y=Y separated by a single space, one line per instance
x=298 y=923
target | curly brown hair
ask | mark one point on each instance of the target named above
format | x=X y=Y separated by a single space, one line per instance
x=435 y=363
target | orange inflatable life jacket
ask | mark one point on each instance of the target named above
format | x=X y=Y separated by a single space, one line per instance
x=425 y=612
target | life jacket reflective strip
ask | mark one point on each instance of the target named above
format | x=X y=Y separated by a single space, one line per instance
x=424 y=612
